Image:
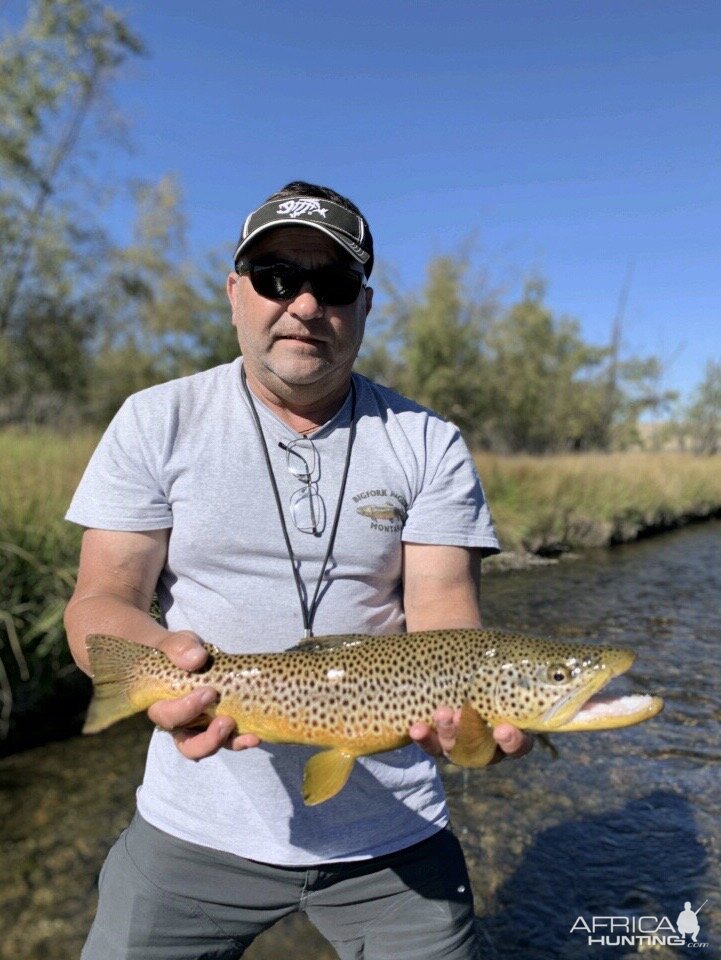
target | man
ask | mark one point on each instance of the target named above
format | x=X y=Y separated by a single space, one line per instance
x=249 y=496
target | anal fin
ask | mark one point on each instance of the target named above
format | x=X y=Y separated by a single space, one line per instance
x=325 y=775
x=475 y=746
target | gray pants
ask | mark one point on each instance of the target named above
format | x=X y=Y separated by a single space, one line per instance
x=164 y=899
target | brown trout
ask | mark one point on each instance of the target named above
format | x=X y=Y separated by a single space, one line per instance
x=355 y=695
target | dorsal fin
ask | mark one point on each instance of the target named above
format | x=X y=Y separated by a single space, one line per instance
x=331 y=642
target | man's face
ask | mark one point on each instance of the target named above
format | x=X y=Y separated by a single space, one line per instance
x=297 y=345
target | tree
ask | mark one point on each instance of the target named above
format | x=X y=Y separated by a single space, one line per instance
x=380 y=354
x=54 y=77
x=164 y=318
x=55 y=72
x=638 y=391
x=514 y=379
x=429 y=345
x=542 y=394
x=703 y=418
x=442 y=357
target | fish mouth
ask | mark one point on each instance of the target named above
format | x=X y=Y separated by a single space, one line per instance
x=605 y=713
x=584 y=709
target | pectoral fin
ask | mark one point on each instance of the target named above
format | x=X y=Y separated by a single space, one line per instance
x=325 y=775
x=545 y=741
x=475 y=745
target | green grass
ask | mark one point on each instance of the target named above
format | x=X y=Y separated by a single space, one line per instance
x=38 y=559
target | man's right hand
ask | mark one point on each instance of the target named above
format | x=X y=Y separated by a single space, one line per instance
x=185 y=650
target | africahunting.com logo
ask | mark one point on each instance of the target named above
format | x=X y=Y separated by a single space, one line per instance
x=645 y=931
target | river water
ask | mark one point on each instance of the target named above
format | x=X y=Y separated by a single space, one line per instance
x=624 y=825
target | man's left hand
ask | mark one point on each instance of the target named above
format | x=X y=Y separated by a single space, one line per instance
x=438 y=740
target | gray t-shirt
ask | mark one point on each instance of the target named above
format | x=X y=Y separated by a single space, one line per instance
x=186 y=455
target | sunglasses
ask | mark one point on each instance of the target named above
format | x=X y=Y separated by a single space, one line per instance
x=280 y=280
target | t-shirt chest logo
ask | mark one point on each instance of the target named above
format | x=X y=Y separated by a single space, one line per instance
x=385 y=509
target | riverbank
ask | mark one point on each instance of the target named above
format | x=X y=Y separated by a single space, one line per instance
x=549 y=506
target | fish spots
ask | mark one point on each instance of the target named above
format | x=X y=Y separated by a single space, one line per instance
x=361 y=693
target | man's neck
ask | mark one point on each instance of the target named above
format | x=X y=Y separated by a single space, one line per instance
x=304 y=415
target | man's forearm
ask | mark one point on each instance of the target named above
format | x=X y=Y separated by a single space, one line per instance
x=106 y=613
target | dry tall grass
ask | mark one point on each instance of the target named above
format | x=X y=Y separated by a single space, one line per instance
x=38 y=472
x=596 y=499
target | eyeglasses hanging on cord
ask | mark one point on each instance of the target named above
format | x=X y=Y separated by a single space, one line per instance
x=307 y=612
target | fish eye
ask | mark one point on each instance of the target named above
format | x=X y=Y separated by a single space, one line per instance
x=559 y=673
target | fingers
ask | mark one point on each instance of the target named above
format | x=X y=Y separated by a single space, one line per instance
x=195 y=746
x=511 y=741
x=184 y=649
x=446 y=724
x=243 y=741
x=220 y=733
x=426 y=738
x=170 y=714
x=178 y=717
x=437 y=740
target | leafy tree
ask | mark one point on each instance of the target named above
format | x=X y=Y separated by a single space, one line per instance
x=54 y=75
x=542 y=397
x=429 y=345
x=380 y=354
x=442 y=358
x=703 y=419
x=638 y=391
x=517 y=379
x=165 y=318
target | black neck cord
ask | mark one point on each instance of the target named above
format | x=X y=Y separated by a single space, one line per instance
x=308 y=613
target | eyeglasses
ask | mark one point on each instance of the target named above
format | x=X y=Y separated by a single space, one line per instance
x=306 y=505
x=281 y=280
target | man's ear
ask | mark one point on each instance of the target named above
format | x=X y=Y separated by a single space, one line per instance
x=369 y=299
x=230 y=285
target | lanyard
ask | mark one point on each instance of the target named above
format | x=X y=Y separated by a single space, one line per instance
x=308 y=613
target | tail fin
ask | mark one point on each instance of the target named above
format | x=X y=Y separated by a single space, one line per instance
x=112 y=661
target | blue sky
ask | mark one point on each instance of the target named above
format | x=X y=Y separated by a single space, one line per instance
x=566 y=137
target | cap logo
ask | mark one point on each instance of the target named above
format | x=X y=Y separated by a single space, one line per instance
x=297 y=208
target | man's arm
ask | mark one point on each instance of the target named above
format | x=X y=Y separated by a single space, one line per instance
x=441 y=588
x=117 y=576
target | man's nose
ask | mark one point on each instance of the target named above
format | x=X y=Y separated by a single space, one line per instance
x=305 y=304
